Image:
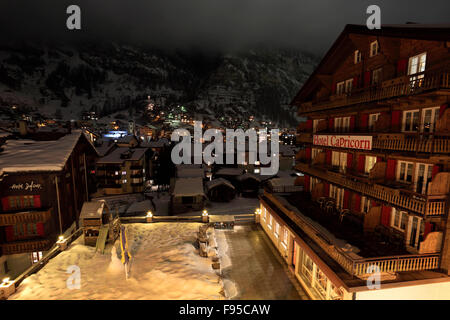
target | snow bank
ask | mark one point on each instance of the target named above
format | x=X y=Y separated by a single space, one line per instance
x=165 y=265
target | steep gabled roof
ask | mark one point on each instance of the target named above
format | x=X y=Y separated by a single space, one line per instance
x=340 y=48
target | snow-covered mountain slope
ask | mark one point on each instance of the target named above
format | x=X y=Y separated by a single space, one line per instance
x=67 y=80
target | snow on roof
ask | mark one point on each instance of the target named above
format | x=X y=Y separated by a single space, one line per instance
x=285 y=181
x=188 y=187
x=230 y=171
x=248 y=176
x=156 y=144
x=29 y=155
x=92 y=210
x=114 y=157
x=190 y=171
x=216 y=182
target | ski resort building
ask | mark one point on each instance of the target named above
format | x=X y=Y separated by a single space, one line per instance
x=43 y=185
x=375 y=159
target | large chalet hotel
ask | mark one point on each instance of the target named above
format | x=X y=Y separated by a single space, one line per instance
x=375 y=164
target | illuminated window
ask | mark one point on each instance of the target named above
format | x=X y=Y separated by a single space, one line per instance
x=374 y=48
x=399 y=219
x=357 y=56
x=410 y=120
x=370 y=163
x=376 y=76
x=269 y=225
x=277 y=230
x=36 y=256
x=405 y=171
x=285 y=236
x=372 y=119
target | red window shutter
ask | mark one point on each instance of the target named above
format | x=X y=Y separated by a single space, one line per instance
x=326 y=189
x=346 y=199
x=395 y=120
x=37 y=201
x=373 y=203
x=306 y=185
x=40 y=228
x=352 y=123
x=390 y=169
x=401 y=66
x=442 y=110
x=367 y=78
x=9 y=231
x=436 y=170
x=379 y=159
x=333 y=88
x=5 y=203
x=328 y=154
x=309 y=124
x=364 y=121
x=308 y=153
x=386 y=216
x=428 y=228
x=357 y=202
x=361 y=162
x=349 y=160
x=331 y=124
x=355 y=82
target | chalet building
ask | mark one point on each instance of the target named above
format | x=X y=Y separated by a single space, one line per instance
x=43 y=185
x=187 y=195
x=122 y=171
x=220 y=190
x=375 y=159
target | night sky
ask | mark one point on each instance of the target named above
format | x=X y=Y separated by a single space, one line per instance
x=222 y=25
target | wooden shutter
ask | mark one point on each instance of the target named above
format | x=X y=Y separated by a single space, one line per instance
x=361 y=163
x=349 y=160
x=428 y=228
x=364 y=121
x=356 y=82
x=390 y=169
x=309 y=124
x=386 y=216
x=306 y=181
x=356 y=202
x=401 y=66
x=326 y=189
x=330 y=124
x=308 y=153
x=346 y=199
x=40 y=229
x=352 y=123
x=328 y=155
x=442 y=109
x=367 y=78
x=5 y=204
x=37 y=201
x=395 y=120
x=9 y=231
x=436 y=170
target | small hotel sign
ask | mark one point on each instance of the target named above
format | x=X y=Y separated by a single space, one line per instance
x=350 y=142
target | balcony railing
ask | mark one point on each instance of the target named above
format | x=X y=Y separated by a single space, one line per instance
x=25 y=246
x=401 y=86
x=398 y=142
x=423 y=206
x=9 y=219
x=360 y=266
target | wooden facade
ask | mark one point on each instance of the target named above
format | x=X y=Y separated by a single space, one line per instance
x=376 y=133
x=37 y=206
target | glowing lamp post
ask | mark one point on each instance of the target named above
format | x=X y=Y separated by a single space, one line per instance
x=149 y=216
x=62 y=243
x=205 y=217
x=7 y=288
x=257 y=215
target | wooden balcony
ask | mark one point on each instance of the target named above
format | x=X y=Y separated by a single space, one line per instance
x=400 y=142
x=397 y=87
x=420 y=204
x=9 y=219
x=356 y=266
x=25 y=246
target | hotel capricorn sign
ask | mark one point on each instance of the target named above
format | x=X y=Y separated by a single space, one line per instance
x=350 y=142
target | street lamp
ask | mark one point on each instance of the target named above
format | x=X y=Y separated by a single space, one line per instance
x=205 y=217
x=149 y=216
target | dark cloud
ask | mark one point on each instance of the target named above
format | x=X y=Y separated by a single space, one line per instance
x=208 y=24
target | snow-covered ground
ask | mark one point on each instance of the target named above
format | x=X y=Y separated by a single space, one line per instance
x=165 y=265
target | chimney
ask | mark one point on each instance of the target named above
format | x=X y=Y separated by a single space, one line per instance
x=23 y=127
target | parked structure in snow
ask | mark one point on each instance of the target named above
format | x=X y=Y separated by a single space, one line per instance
x=220 y=190
x=43 y=185
x=187 y=195
x=375 y=160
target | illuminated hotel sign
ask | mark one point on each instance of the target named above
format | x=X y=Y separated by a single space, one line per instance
x=350 y=142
